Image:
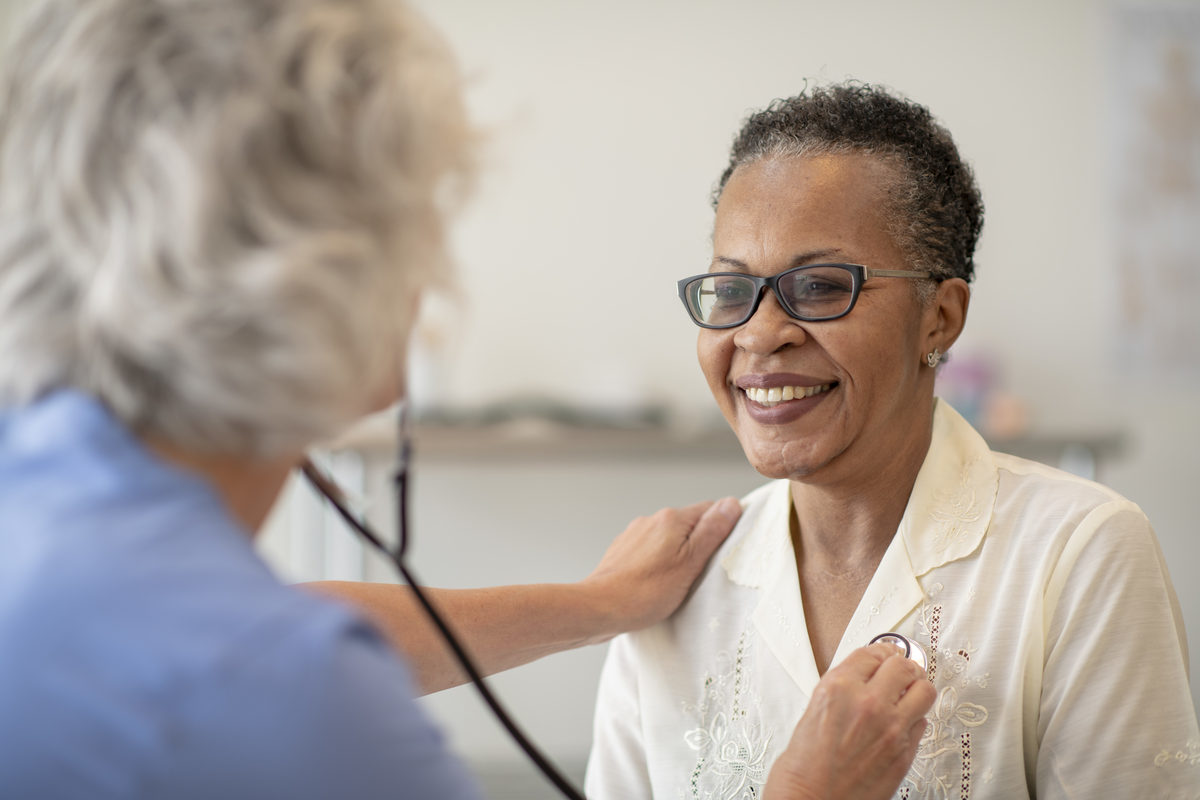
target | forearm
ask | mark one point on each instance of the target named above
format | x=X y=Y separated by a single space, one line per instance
x=500 y=628
x=643 y=577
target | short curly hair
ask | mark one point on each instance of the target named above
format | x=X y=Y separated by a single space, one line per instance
x=938 y=213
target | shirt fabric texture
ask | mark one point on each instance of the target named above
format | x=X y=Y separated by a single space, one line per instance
x=147 y=652
x=1055 y=639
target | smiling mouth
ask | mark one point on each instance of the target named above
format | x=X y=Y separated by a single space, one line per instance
x=781 y=394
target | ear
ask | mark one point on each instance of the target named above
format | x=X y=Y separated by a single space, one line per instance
x=946 y=315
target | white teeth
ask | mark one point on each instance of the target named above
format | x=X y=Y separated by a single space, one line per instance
x=781 y=394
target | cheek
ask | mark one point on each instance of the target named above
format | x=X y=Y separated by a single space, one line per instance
x=714 y=352
x=875 y=360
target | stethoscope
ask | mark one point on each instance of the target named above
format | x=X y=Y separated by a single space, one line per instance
x=912 y=650
x=334 y=494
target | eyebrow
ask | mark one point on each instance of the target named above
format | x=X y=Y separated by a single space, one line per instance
x=797 y=261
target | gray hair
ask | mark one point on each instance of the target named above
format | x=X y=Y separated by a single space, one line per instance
x=217 y=214
x=936 y=211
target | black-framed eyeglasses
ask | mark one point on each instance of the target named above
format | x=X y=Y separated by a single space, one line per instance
x=811 y=293
x=337 y=498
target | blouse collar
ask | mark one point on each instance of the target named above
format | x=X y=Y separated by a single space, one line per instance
x=946 y=518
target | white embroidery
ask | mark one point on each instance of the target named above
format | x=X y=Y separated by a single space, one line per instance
x=872 y=612
x=947 y=739
x=988 y=777
x=1190 y=755
x=733 y=754
x=784 y=623
x=953 y=511
x=713 y=624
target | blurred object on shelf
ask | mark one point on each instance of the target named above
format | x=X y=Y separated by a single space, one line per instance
x=1005 y=416
x=536 y=427
x=431 y=348
x=1081 y=454
x=964 y=381
x=970 y=381
x=1078 y=459
x=546 y=409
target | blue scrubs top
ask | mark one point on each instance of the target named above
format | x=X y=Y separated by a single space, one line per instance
x=147 y=652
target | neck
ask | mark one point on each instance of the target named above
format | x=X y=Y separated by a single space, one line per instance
x=247 y=486
x=844 y=524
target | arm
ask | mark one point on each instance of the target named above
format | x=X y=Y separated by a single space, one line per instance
x=1115 y=715
x=643 y=577
x=860 y=733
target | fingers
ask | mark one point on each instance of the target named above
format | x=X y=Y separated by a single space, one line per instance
x=897 y=675
x=918 y=698
x=865 y=661
x=687 y=517
x=714 y=526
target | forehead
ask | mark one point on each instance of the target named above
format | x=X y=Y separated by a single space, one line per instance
x=782 y=209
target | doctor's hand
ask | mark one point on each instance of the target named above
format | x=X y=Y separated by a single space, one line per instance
x=649 y=568
x=860 y=733
x=643 y=577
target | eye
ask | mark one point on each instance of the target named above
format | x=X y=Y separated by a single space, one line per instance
x=819 y=291
x=720 y=299
x=814 y=287
x=728 y=292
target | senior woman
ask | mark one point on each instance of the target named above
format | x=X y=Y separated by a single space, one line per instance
x=844 y=236
x=216 y=217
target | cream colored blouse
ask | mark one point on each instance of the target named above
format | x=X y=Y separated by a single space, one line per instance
x=1056 y=642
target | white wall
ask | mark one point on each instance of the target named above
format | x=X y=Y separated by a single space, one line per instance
x=609 y=122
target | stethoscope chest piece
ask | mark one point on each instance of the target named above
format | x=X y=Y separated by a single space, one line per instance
x=912 y=650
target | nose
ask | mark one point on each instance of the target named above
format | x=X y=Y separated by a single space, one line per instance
x=770 y=329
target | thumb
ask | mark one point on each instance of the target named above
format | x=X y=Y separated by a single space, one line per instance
x=714 y=527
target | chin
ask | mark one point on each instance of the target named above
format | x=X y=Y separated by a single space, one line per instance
x=772 y=460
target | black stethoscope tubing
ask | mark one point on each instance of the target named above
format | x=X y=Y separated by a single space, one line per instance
x=336 y=498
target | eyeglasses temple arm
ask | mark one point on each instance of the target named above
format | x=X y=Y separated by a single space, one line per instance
x=894 y=273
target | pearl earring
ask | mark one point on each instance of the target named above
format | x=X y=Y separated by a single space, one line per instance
x=934 y=358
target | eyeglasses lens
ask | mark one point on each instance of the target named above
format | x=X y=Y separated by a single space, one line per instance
x=721 y=299
x=810 y=293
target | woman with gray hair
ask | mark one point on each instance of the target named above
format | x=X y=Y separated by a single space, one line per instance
x=216 y=218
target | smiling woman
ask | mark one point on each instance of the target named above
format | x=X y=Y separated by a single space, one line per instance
x=842 y=250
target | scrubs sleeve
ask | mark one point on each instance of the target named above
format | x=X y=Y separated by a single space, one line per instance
x=617 y=767
x=324 y=711
x=387 y=746
x=1116 y=716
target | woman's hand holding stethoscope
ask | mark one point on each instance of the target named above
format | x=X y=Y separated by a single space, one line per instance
x=860 y=733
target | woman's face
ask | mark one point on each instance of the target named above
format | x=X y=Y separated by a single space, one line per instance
x=785 y=212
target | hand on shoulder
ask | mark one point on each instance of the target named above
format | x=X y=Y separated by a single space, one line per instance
x=649 y=569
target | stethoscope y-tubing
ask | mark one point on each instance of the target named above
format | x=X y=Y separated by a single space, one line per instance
x=335 y=496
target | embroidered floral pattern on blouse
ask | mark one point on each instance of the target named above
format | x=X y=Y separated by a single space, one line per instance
x=946 y=741
x=784 y=623
x=732 y=753
x=874 y=611
x=954 y=510
x=1189 y=755
x=943 y=764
